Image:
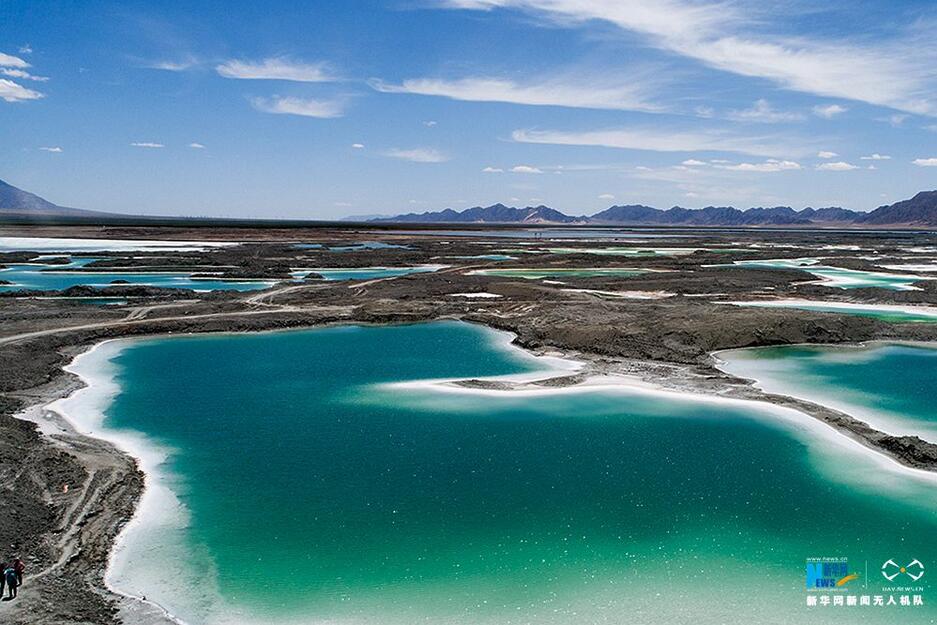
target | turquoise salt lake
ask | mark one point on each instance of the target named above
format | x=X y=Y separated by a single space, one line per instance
x=293 y=481
x=839 y=277
x=894 y=313
x=364 y=273
x=890 y=386
x=51 y=278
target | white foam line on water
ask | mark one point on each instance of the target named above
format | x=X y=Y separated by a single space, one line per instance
x=624 y=294
x=798 y=421
x=925 y=311
x=912 y=267
x=846 y=278
x=52 y=244
x=837 y=277
x=880 y=420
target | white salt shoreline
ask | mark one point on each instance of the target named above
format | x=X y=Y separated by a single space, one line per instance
x=84 y=410
x=65 y=244
x=628 y=385
x=875 y=419
x=833 y=306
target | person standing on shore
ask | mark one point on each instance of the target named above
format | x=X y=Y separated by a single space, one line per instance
x=19 y=567
x=9 y=576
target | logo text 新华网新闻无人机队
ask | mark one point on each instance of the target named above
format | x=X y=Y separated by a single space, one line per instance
x=831 y=582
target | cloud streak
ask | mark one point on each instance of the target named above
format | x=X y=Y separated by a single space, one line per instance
x=628 y=94
x=763 y=113
x=418 y=155
x=276 y=68
x=895 y=71
x=23 y=74
x=656 y=140
x=15 y=67
x=837 y=166
x=769 y=166
x=8 y=60
x=14 y=92
x=322 y=109
x=829 y=111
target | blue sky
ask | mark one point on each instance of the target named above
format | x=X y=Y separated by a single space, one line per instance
x=325 y=109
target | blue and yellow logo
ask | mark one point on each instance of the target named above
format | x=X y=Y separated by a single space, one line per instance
x=828 y=573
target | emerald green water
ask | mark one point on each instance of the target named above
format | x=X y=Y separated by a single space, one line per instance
x=892 y=313
x=364 y=273
x=313 y=492
x=52 y=278
x=558 y=272
x=890 y=386
x=839 y=277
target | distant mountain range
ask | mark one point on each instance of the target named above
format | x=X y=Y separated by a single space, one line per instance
x=19 y=203
x=921 y=210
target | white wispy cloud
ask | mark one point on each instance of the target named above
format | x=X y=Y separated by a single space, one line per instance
x=196 y=146
x=55 y=149
x=875 y=157
x=147 y=144
x=709 y=183
x=174 y=66
x=358 y=146
x=15 y=67
x=21 y=73
x=628 y=94
x=8 y=60
x=658 y=140
x=837 y=166
x=418 y=155
x=762 y=112
x=829 y=111
x=526 y=169
x=826 y=154
x=895 y=70
x=276 y=68
x=308 y=107
x=14 y=92
x=895 y=120
x=692 y=162
x=925 y=162
x=769 y=166
x=493 y=170
x=606 y=196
